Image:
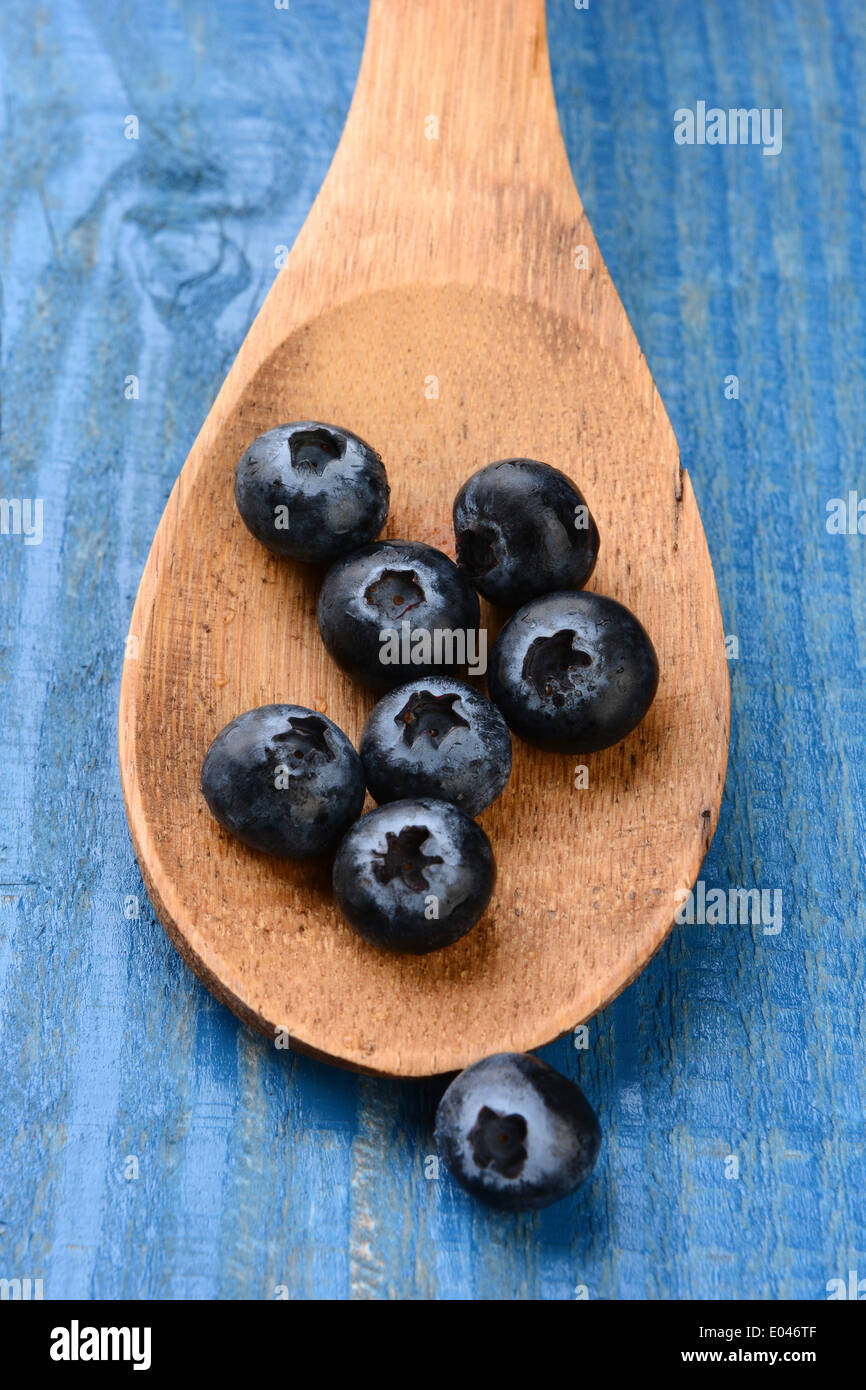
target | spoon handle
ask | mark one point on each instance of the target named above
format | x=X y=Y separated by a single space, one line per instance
x=457 y=95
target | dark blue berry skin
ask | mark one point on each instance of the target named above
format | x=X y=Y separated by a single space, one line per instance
x=516 y=1133
x=312 y=491
x=523 y=529
x=401 y=863
x=380 y=587
x=436 y=737
x=573 y=672
x=284 y=779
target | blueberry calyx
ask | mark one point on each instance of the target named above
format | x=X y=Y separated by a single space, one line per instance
x=476 y=550
x=550 y=662
x=315 y=449
x=498 y=1142
x=394 y=593
x=306 y=738
x=404 y=858
x=433 y=715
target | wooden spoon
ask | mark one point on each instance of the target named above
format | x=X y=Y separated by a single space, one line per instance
x=446 y=300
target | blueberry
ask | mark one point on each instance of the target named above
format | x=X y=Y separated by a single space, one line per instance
x=312 y=491
x=284 y=779
x=414 y=876
x=398 y=610
x=573 y=672
x=516 y=1133
x=523 y=529
x=438 y=737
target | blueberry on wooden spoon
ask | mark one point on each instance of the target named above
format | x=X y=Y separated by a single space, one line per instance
x=522 y=529
x=414 y=875
x=311 y=491
x=573 y=672
x=396 y=610
x=436 y=737
x=284 y=779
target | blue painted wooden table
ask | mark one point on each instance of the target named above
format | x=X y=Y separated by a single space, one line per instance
x=151 y=1146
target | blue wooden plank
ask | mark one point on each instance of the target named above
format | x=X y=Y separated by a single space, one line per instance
x=150 y=1147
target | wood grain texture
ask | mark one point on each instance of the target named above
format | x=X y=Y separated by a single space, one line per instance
x=261 y=1170
x=453 y=259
